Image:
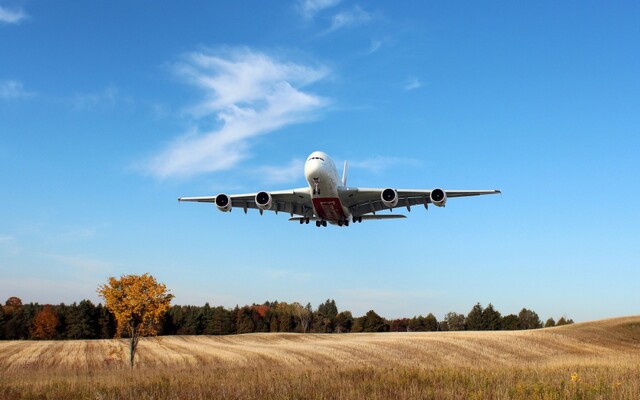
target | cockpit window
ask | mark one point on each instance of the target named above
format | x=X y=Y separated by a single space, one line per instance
x=316 y=158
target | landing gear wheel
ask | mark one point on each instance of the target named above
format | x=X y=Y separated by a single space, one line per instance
x=324 y=223
x=318 y=224
x=301 y=221
x=339 y=223
x=306 y=221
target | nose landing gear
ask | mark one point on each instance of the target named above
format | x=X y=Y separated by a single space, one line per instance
x=316 y=182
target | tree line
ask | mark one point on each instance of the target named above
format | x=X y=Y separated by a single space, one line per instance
x=85 y=320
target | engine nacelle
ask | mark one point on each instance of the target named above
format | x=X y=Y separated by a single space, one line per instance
x=223 y=202
x=389 y=198
x=263 y=200
x=438 y=197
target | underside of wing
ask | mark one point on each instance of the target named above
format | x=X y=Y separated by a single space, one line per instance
x=361 y=201
x=293 y=202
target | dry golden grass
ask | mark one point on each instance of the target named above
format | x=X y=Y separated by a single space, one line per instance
x=598 y=360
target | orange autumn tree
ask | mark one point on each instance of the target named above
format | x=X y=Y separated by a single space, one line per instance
x=138 y=303
x=45 y=324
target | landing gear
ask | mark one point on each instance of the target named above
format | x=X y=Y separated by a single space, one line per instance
x=357 y=219
x=304 y=221
x=316 y=182
x=321 y=223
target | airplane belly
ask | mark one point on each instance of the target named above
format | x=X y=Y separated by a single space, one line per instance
x=329 y=208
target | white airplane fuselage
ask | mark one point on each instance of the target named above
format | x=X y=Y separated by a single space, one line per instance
x=322 y=176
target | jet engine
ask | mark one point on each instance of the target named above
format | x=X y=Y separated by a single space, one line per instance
x=223 y=202
x=263 y=200
x=438 y=197
x=389 y=198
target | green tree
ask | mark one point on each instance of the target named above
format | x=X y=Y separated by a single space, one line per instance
x=529 y=319
x=511 y=322
x=82 y=321
x=550 y=323
x=344 y=322
x=417 y=324
x=374 y=323
x=244 y=322
x=431 y=323
x=326 y=316
x=475 y=320
x=455 y=321
x=492 y=318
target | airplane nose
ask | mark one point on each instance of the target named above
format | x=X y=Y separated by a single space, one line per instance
x=312 y=168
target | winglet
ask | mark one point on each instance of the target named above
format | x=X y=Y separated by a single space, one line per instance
x=344 y=173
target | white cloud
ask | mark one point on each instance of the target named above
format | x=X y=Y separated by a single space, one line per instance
x=12 y=90
x=107 y=98
x=375 y=46
x=12 y=16
x=412 y=84
x=294 y=170
x=248 y=94
x=309 y=8
x=346 y=19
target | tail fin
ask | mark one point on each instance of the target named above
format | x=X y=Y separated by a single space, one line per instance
x=344 y=174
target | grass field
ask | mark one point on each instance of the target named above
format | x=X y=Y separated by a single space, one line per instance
x=594 y=360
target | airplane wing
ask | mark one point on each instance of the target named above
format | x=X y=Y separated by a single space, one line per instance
x=362 y=201
x=294 y=201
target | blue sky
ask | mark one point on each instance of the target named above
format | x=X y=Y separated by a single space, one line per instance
x=110 y=111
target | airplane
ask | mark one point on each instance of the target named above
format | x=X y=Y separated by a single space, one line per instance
x=328 y=199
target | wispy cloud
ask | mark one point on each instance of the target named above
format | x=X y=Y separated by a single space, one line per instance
x=282 y=174
x=377 y=164
x=412 y=84
x=374 y=46
x=309 y=8
x=247 y=93
x=107 y=98
x=11 y=89
x=347 y=19
x=12 y=16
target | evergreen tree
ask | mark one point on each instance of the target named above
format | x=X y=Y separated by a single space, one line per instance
x=511 y=322
x=106 y=322
x=82 y=321
x=529 y=319
x=475 y=320
x=492 y=318
x=374 y=323
x=550 y=323
x=244 y=322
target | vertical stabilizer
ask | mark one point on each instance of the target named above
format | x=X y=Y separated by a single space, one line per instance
x=344 y=174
